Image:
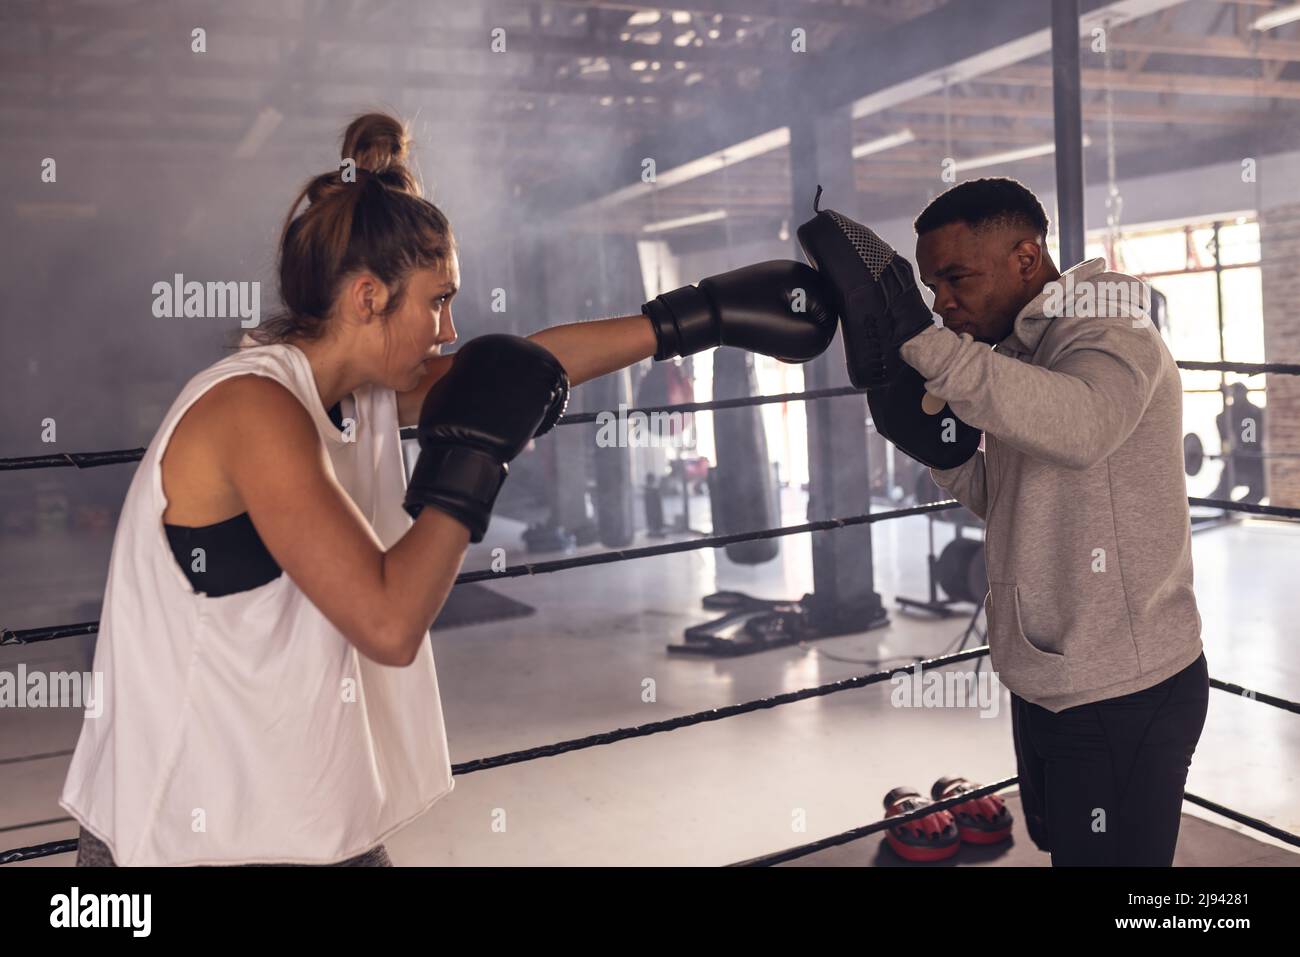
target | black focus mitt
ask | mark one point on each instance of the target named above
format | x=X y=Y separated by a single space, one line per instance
x=875 y=293
x=900 y=411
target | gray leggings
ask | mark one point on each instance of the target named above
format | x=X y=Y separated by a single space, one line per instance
x=92 y=852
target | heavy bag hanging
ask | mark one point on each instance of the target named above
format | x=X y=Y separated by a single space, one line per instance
x=741 y=487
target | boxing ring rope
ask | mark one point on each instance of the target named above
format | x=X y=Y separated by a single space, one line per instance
x=28 y=636
x=85 y=460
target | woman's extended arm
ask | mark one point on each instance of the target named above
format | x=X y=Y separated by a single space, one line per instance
x=587 y=350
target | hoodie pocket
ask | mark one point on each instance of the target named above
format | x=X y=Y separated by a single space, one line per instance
x=1023 y=667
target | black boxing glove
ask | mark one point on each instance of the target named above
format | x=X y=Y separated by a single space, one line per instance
x=780 y=308
x=499 y=392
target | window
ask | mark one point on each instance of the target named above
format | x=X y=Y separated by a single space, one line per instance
x=1210 y=275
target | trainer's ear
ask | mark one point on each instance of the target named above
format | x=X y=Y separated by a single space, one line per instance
x=1028 y=254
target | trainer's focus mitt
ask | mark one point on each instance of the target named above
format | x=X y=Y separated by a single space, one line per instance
x=919 y=424
x=875 y=293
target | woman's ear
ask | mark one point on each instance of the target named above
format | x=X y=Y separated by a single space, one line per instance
x=367 y=296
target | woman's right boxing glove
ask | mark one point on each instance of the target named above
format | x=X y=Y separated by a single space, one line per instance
x=482 y=413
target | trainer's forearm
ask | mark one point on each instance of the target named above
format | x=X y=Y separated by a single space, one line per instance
x=588 y=350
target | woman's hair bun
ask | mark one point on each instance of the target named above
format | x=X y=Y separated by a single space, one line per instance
x=325 y=186
x=381 y=144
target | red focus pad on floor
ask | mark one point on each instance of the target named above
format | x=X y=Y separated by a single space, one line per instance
x=983 y=820
x=933 y=837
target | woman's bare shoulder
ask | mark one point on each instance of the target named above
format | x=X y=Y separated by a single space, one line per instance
x=243 y=418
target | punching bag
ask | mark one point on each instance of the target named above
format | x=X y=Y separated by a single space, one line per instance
x=615 y=495
x=741 y=488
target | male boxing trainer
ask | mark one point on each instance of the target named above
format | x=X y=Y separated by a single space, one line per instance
x=1092 y=621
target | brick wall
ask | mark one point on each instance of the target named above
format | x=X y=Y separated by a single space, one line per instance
x=1280 y=272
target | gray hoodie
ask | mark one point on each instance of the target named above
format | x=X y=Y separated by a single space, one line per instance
x=1081 y=487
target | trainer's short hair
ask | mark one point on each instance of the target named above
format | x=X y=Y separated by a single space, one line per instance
x=984 y=203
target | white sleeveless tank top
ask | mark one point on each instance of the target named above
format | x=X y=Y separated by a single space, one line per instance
x=246 y=728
